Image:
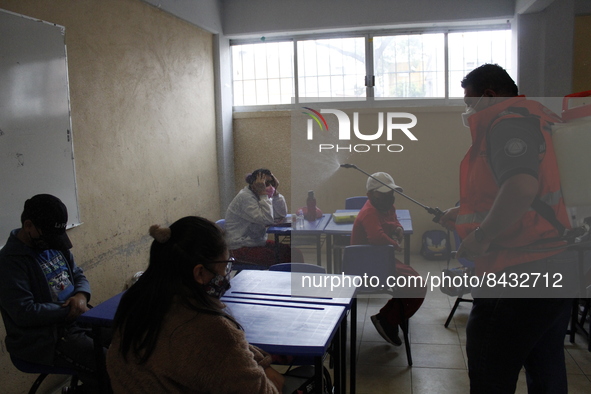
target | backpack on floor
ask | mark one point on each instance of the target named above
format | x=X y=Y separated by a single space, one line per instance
x=435 y=245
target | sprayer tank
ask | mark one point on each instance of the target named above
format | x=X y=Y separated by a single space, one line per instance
x=572 y=143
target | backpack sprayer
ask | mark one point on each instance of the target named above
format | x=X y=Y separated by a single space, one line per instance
x=571 y=140
x=433 y=211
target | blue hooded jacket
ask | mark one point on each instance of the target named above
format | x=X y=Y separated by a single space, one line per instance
x=33 y=321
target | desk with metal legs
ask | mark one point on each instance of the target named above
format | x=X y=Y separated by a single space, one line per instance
x=294 y=329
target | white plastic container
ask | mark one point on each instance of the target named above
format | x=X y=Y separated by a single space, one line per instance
x=572 y=143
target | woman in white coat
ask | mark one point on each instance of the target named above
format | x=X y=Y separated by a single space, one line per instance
x=257 y=206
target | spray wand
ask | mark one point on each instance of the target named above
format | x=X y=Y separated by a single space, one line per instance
x=438 y=213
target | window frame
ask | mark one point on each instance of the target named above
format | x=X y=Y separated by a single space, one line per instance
x=368 y=35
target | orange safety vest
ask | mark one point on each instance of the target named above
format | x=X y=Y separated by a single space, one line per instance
x=478 y=190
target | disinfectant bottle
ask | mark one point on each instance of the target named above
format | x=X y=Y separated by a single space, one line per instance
x=311 y=207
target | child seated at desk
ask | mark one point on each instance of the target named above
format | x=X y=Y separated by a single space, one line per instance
x=256 y=207
x=377 y=224
x=171 y=333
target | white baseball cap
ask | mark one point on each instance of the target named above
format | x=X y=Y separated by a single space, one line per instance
x=373 y=184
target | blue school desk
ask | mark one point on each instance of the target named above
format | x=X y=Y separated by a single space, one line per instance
x=296 y=329
x=333 y=230
x=315 y=228
x=101 y=315
x=293 y=329
x=255 y=286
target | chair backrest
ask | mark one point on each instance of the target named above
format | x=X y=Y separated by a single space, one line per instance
x=370 y=260
x=221 y=223
x=298 y=267
x=355 y=202
x=465 y=262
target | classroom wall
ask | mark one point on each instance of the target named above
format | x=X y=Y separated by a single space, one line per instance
x=582 y=54
x=264 y=17
x=262 y=140
x=142 y=102
x=203 y=13
x=427 y=169
x=545 y=50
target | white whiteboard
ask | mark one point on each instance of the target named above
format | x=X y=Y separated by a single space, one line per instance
x=36 y=150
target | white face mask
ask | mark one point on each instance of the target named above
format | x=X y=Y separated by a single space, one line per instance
x=469 y=112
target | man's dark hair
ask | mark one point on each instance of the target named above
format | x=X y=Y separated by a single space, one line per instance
x=490 y=76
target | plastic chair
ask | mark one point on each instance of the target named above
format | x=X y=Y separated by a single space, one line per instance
x=355 y=202
x=379 y=261
x=298 y=267
x=370 y=260
x=463 y=290
x=43 y=371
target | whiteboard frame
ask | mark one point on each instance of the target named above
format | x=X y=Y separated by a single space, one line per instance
x=36 y=142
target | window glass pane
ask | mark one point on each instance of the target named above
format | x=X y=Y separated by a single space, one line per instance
x=262 y=91
x=260 y=61
x=238 y=93
x=272 y=61
x=274 y=87
x=248 y=65
x=287 y=90
x=409 y=65
x=254 y=65
x=249 y=93
x=405 y=66
x=468 y=50
x=285 y=54
x=332 y=67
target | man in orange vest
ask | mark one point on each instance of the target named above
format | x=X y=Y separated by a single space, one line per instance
x=511 y=217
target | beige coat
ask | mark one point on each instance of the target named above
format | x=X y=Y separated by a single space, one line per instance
x=196 y=353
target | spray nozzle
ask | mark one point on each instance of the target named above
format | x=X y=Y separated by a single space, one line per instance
x=348 y=166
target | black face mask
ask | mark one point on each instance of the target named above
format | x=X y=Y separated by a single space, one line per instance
x=39 y=242
x=383 y=203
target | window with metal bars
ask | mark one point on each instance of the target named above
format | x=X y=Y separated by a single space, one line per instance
x=354 y=68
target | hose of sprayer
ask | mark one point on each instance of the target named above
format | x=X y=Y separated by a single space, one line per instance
x=438 y=213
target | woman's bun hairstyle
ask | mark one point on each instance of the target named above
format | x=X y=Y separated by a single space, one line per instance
x=160 y=234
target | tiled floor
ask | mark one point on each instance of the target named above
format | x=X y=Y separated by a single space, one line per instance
x=439 y=355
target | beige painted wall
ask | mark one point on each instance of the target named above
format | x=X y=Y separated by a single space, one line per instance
x=427 y=169
x=262 y=140
x=142 y=101
x=582 y=54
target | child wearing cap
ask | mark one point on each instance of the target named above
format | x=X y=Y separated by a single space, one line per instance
x=377 y=224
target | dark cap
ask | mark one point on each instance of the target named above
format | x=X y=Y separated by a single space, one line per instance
x=50 y=215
